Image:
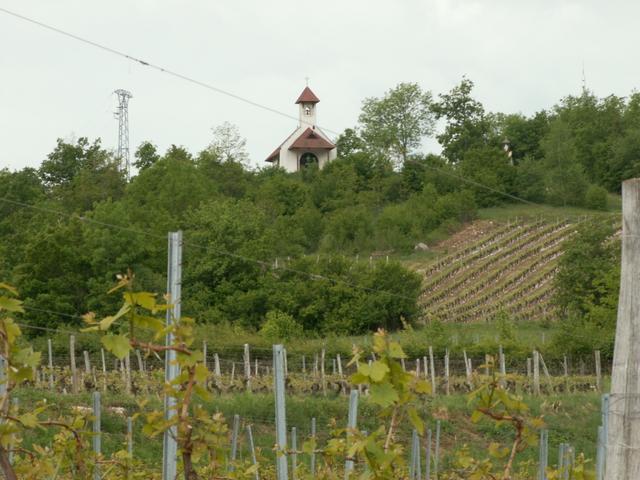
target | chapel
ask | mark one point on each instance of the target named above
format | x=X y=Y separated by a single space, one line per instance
x=308 y=144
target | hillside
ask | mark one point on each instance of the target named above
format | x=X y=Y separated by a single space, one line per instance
x=494 y=266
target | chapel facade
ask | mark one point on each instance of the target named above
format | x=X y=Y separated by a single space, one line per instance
x=307 y=144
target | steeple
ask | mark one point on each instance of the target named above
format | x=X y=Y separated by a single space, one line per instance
x=307 y=101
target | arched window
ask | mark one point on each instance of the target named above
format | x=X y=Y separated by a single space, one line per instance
x=307 y=159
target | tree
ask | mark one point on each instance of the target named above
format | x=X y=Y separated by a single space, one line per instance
x=228 y=145
x=565 y=180
x=467 y=125
x=146 y=155
x=523 y=133
x=589 y=257
x=349 y=142
x=67 y=159
x=396 y=123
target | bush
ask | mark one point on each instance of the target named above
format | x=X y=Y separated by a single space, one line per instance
x=596 y=198
x=280 y=326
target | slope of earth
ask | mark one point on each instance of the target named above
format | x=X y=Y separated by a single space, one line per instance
x=491 y=267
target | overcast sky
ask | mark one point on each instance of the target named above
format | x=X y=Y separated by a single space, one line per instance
x=522 y=55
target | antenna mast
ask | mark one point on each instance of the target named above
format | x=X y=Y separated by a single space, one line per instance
x=123 y=130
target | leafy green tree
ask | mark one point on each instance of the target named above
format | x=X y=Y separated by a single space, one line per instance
x=396 y=123
x=594 y=125
x=565 y=181
x=596 y=198
x=529 y=182
x=523 y=133
x=467 y=126
x=589 y=257
x=67 y=160
x=624 y=160
x=349 y=142
x=146 y=155
x=228 y=145
x=280 y=327
x=487 y=167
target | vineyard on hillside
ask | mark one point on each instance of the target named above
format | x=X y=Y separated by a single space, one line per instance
x=509 y=268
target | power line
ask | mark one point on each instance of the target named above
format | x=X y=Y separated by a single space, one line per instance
x=159 y=68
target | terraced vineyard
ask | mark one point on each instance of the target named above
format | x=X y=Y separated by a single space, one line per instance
x=510 y=268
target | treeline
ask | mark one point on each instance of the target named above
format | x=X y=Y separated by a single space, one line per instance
x=380 y=196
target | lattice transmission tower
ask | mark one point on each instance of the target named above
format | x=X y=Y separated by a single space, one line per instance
x=123 y=130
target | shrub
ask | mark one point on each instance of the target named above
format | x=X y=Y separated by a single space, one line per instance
x=596 y=198
x=280 y=326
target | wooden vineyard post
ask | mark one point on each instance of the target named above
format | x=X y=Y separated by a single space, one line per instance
x=433 y=371
x=339 y=362
x=598 y=371
x=281 y=419
x=204 y=353
x=50 y=349
x=529 y=373
x=140 y=362
x=171 y=370
x=623 y=431
x=536 y=373
x=294 y=453
x=315 y=367
x=565 y=368
x=127 y=371
x=87 y=363
x=446 y=371
x=503 y=367
x=247 y=366
x=72 y=354
x=322 y=377
x=104 y=370
x=546 y=372
x=216 y=365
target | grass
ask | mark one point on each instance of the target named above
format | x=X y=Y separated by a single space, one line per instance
x=510 y=212
x=569 y=418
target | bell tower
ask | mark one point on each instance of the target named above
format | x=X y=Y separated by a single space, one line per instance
x=307 y=102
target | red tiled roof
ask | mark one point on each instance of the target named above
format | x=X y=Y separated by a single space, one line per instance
x=274 y=155
x=307 y=96
x=309 y=139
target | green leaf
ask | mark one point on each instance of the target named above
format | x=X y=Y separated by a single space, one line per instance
x=476 y=416
x=146 y=300
x=117 y=344
x=383 y=394
x=8 y=288
x=378 y=371
x=106 y=322
x=395 y=350
x=10 y=304
x=29 y=420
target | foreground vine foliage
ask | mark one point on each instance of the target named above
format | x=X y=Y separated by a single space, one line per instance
x=203 y=437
